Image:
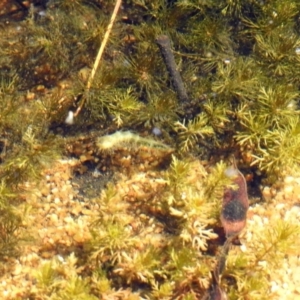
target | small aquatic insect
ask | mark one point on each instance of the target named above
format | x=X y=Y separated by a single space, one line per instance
x=235 y=203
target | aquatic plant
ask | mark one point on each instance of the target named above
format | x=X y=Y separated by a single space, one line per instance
x=154 y=235
x=270 y=244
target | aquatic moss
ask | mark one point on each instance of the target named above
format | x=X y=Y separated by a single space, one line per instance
x=239 y=62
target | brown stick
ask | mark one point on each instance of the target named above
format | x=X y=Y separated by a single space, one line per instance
x=164 y=44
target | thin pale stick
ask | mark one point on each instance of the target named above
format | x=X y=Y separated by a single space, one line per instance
x=100 y=52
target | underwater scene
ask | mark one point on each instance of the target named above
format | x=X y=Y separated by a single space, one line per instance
x=149 y=149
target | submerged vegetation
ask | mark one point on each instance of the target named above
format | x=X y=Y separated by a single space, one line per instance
x=154 y=235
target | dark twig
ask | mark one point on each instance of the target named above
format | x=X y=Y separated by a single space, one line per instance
x=219 y=269
x=164 y=44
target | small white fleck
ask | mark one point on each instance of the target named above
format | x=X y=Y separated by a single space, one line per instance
x=297 y=50
x=42 y=13
x=60 y=258
x=156 y=131
x=96 y=173
x=265 y=220
x=292 y=105
x=243 y=248
x=5 y=293
x=274 y=286
x=231 y=172
x=280 y=206
x=288 y=189
x=285 y=286
x=262 y=263
x=227 y=61
x=70 y=118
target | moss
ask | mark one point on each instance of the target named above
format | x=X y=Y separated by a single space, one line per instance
x=272 y=244
x=154 y=233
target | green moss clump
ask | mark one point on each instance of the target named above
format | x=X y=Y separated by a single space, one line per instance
x=251 y=270
x=171 y=258
x=239 y=61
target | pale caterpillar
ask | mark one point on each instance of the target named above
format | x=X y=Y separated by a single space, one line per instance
x=127 y=139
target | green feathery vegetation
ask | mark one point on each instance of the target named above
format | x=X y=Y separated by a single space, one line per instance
x=240 y=65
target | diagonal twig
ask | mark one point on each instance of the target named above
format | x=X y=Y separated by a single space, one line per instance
x=99 y=55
